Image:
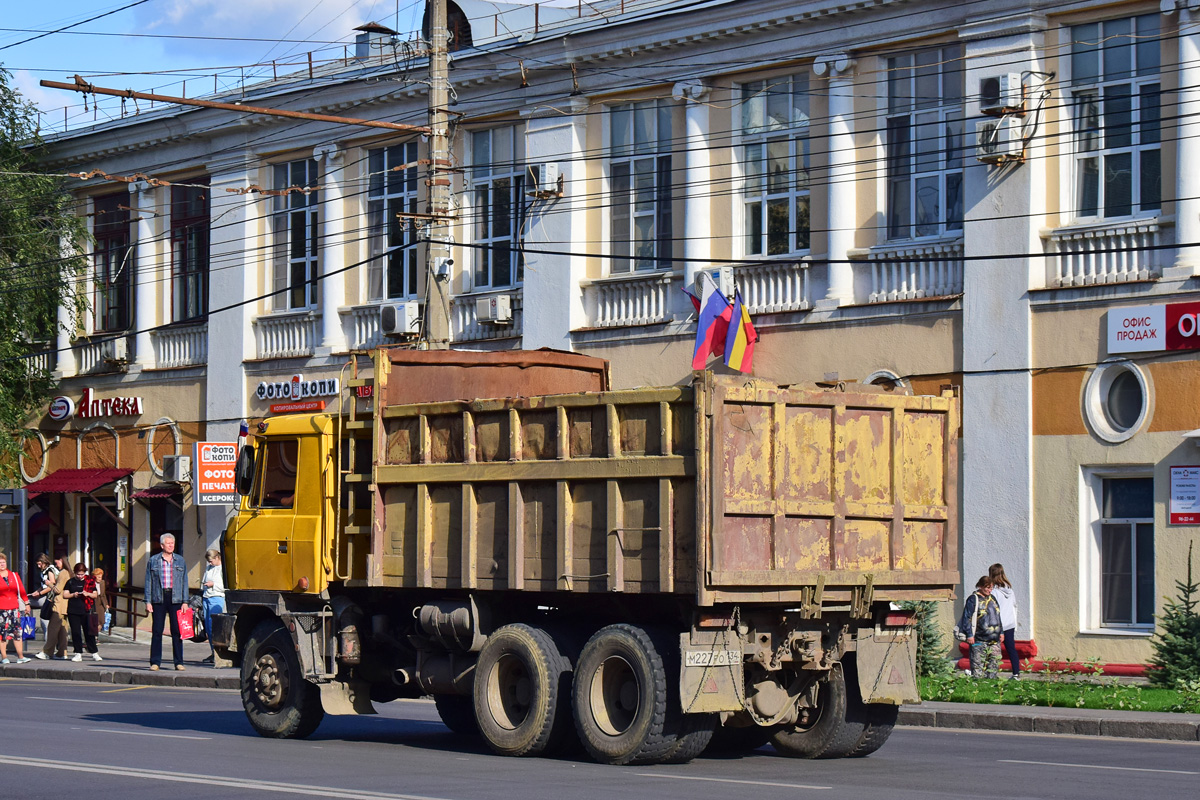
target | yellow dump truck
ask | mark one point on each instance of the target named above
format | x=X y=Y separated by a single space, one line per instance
x=644 y=572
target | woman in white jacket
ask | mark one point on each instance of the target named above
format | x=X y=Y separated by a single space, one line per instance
x=1007 y=599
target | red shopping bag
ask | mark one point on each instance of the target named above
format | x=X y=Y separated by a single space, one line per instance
x=187 y=627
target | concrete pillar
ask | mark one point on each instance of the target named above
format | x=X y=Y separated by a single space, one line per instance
x=840 y=203
x=147 y=275
x=1187 y=145
x=333 y=218
x=553 y=299
x=66 y=363
x=697 y=185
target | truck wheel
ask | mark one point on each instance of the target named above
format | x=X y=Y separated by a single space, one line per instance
x=521 y=689
x=881 y=719
x=620 y=697
x=693 y=739
x=828 y=733
x=457 y=713
x=279 y=702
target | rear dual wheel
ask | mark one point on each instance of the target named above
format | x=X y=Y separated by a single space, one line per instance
x=841 y=725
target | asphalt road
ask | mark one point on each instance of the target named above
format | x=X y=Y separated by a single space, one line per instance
x=60 y=739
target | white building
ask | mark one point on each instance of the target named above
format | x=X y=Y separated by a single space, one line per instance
x=919 y=192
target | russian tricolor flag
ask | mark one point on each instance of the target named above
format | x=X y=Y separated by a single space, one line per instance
x=713 y=326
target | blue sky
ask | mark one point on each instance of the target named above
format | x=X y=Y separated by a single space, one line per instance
x=150 y=60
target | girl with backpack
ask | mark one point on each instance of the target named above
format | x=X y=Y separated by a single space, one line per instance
x=981 y=624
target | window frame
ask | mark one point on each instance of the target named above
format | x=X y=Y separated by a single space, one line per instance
x=947 y=166
x=484 y=175
x=189 y=238
x=755 y=102
x=295 y=269
x=112 y=302
x=395 y=271
x=1138 y=79
x=647 y=158
x=1092 y=558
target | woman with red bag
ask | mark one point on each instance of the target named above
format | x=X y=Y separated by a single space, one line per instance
x=13 y=600
x=81 y=597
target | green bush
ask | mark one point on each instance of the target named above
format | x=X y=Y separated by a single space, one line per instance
x=931 y=647
x=1176 y=661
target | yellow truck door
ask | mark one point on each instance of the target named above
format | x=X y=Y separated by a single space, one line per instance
x=264 y=538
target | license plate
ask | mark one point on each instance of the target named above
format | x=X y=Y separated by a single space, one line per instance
x=712 y=658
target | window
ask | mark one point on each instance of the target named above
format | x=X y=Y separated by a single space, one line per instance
x=113 y=261
x=189 y=252
x=392 y=194
x=924 y=143
x=275 y=484
x=640 y=184
x=498 y=200
x=1117 y=400
x=1115 y=93
x=1127 y=552
x=295 y=220
x=774 y=127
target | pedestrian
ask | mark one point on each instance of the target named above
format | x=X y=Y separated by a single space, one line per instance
x=1006 y=599
x=56 y=624
x=13 y=600
x=981 y=624
x=166 y=589
x=213 y=586
x=41 y=596
x=81 y=595
x=101 y=598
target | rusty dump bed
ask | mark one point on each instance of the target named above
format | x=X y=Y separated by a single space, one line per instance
x=729 y=490
x=421 y=376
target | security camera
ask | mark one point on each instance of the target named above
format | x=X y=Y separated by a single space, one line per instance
x=441 y=267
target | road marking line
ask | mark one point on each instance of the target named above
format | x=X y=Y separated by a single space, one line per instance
x=1098 y=766
x=730 y=780
x=124 y=689
x=143 y=733
x=73 y=700
x=211 y=780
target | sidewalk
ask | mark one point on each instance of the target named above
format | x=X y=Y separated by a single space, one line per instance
x=1038 y=719
x=125 y=662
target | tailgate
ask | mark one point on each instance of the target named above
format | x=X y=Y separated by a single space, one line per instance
x=810 y=493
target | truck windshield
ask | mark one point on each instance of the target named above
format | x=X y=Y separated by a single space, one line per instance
x=276 y=484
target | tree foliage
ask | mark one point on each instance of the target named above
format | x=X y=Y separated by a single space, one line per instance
x=37 y=226
x=931 y=647
x=1176 y=660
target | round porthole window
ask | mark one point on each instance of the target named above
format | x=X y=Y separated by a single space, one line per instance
x=1117 y=400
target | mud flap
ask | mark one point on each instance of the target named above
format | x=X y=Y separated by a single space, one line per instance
x=887 y=667
x=711 y=677
x=340 y=698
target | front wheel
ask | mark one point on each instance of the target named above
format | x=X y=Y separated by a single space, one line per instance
x=279 y=703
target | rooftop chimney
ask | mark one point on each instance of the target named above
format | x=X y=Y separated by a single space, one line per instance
x=370 y=40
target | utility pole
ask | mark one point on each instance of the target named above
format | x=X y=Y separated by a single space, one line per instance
x=437 y=254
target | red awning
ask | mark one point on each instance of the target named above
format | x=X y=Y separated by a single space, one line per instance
x=66 y=481
x=161 y=490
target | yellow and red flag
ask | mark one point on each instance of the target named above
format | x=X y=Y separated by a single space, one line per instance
x=739 y=341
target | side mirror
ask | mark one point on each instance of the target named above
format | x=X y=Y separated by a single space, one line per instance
x=243 y=473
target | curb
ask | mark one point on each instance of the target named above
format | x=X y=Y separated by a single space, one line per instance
x=119 y=675
x=1127 y=725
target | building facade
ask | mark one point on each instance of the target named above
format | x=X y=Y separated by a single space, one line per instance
x=909 y=193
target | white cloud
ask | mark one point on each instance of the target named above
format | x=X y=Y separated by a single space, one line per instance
x=48 y=100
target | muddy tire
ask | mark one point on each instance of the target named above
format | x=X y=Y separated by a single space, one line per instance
x=878 y=719
x=457 y=713
x=620 y=697
x=693 y=740
x=522 y=690
x=829 y=733
x=279 y=703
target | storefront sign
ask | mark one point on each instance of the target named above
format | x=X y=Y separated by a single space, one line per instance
x=1145 y=329
x=297 y=389
x=61 y=408
x=213 y=483
x=295 y=408
x=1185 y=496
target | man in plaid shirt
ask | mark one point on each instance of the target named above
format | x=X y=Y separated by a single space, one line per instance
x=166 y=591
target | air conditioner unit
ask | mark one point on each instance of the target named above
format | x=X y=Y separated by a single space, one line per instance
x=177 y=469
x=118 y=350
x=1000 y=140
x=1002 y=94
x=722 y=278
x=400 y=319
x=544 y=180
x=496 y=309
